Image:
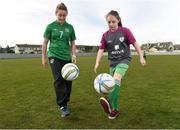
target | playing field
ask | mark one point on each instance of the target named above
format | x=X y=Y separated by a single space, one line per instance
x=149 y=97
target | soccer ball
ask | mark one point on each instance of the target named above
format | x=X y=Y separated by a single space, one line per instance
x=70 y=71
x=104 y=83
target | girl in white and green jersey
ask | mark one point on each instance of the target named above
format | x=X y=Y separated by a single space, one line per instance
x=62 y=50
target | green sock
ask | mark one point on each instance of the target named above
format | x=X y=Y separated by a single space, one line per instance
x=114 y=96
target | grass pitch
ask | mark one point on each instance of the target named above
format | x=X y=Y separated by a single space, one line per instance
x=149 y=96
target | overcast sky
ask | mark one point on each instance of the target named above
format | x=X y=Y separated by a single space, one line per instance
x=24 y=21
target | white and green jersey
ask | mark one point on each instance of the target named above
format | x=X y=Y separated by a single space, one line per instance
x=60 y=37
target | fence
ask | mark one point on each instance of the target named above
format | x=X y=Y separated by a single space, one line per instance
x=11 y=56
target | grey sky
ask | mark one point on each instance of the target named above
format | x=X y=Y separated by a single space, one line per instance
x=24 y=21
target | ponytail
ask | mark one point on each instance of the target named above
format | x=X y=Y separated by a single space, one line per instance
x=120 y=24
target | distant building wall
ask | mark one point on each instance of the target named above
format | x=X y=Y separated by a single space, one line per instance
x=27 y=49
x=160 y=46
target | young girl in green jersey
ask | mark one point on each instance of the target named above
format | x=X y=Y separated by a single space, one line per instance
x=62 y=50
x=117 y=41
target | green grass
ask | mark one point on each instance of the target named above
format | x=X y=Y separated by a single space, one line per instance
x=149 y=98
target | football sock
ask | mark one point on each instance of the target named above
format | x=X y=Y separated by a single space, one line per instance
x=114 y=96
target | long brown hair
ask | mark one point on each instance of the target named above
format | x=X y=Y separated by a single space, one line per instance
x=116 y=14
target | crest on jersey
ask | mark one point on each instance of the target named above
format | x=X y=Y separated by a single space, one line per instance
x=66 y=30
x=121 y=39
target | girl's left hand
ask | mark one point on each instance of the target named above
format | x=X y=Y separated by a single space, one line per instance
x=95 y=67
x=142 y=61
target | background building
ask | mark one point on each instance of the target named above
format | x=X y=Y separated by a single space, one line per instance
x=160 y=46
x=27 y=49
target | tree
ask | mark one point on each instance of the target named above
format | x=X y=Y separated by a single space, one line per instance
x=1 y=49
x=7 y=49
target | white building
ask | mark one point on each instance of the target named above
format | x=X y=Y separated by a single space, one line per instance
x=160 y=46
x=27 y=49
x=177 y=47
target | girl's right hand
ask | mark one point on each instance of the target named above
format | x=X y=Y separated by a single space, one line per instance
x=44 y=63
x=95 y=67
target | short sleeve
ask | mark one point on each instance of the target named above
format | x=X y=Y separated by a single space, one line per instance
x=130 y=37
x=103 y=42
x=73 y=36
x=47 y=33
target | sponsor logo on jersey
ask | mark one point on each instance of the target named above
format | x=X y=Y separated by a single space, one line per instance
x=117 y=52
x=109 y=41
x=116 y=47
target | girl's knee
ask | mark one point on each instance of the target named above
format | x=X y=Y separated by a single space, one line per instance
x=117 y=76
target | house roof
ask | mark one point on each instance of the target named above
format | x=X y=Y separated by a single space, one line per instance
x=28 y=45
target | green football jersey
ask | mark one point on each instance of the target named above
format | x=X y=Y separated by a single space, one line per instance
x=60 y=37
